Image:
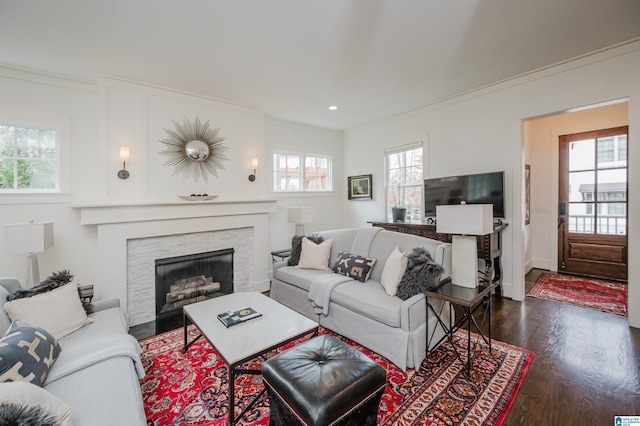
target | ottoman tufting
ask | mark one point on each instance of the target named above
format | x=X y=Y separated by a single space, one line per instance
x=323 y=381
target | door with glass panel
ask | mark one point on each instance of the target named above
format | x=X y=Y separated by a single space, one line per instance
x=592 y=216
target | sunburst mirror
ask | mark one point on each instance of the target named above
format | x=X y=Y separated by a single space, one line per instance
x=194 y=149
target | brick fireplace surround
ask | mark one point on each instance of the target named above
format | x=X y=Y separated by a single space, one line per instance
x=132 y=236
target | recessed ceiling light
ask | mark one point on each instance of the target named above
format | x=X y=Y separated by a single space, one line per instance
x=333 y=108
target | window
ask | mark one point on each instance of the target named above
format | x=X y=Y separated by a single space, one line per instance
x=28 y=159
x=404 y=179
x=288 y=175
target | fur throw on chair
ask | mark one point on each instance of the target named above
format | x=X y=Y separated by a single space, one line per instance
x=422 y=274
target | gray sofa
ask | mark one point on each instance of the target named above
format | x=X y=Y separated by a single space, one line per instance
x=98 y=369
x=364 y=312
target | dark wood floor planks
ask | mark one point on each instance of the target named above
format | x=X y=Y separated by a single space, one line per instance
x=586 y=368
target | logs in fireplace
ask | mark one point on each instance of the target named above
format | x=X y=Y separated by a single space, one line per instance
x=189 y=279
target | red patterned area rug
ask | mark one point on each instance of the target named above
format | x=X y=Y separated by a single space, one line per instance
x=191 y=389
x=607 y=296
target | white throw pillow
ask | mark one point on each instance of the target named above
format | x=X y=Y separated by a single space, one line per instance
x=315 y=256
x=58 y=311
x=32 y=396
x=393 y=270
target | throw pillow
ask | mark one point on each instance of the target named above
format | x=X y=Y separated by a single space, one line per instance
x=23 y=403
x=315 y=256
x=52 y=282
x=393 y=270
x=58 y=311
x=354 y=266
x=296 y=247
x=27 y=353
x=422 y=274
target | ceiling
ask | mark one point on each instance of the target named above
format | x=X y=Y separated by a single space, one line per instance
x=295 y=58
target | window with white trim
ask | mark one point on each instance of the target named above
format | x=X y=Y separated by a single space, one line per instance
x=289 y=175
x=404 y=179
x=28 y=159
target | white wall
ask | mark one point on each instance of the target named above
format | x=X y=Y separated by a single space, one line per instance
x=111 y=113
x=482 y=131
x=541 y=139
x=327 y=207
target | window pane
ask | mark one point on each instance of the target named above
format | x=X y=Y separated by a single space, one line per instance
x=581 y=186
x=605 y=150
x=35 y=143
x=612 y=219
x=581 y=218
x=404 y=179
x=612 y=184
x=31 y=154
x=6 y=174
x=582 y=155
x=622 y=148
x=316 y=173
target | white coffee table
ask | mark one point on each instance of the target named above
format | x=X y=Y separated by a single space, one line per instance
x=240 y=343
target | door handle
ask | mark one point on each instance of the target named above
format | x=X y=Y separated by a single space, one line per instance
x=560 y=222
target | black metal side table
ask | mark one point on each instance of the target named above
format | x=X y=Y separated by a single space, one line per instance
x=470 y=299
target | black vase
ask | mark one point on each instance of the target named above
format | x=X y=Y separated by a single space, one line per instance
x=398 y=214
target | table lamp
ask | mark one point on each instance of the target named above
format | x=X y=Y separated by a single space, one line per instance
x=29 y=237
x=465 y=222
x=299 y=216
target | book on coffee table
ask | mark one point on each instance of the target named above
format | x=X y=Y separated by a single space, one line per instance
x=230 y=318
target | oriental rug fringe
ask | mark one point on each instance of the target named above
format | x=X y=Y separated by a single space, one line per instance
x=191 y=389
x=606 y=296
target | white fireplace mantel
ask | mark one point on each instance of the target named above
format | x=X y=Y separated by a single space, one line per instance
x=103 y=213
x=119 y=223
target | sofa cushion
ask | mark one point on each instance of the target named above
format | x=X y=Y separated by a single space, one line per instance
x=27 y=353
x=393 y=270
x=30 y=405
x=369 y=300
x=105 y=323
x=296 y=247
x=5 y=321
x=315 y=256
x=58 y=311
x=354 y=266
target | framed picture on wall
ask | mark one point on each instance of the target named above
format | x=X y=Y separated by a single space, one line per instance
x=360 y=187
x=527 y=194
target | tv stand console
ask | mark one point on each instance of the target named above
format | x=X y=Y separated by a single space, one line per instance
x=489 y=246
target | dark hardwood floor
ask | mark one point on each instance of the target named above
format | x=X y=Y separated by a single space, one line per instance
x=586 y=368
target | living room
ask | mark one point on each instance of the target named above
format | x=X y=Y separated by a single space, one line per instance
x=96 y=214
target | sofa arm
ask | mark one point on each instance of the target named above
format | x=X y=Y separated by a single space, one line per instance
x=102 y=305
x=413 y=312
x=442 y=255
x=10 y=283
x=277 y=266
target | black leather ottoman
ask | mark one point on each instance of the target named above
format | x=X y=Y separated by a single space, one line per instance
x=323 y=382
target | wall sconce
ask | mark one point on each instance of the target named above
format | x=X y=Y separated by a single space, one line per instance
x=254 y=166
x=124 y=157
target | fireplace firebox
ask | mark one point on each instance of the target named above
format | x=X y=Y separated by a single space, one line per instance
x=183 y=280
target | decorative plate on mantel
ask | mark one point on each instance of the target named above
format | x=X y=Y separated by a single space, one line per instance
x=196 y=197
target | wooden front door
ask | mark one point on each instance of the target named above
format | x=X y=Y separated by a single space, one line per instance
x=592 y=216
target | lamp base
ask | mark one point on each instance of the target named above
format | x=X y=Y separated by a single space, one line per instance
x=300 y=229
x=464 y=261
x=32 y=273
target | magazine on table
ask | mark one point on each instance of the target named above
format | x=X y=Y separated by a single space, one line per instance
x=238 y=316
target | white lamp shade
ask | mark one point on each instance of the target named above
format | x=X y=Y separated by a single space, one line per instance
x=28 y=237
x=465 y=219
x=299 y=215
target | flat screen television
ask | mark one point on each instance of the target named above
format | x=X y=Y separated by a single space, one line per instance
x=481 y=188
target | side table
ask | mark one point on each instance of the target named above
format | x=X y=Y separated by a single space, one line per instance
x=469 y=299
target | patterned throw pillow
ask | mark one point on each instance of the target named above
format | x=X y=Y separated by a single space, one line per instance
x=27 y=353
x=353 y=266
